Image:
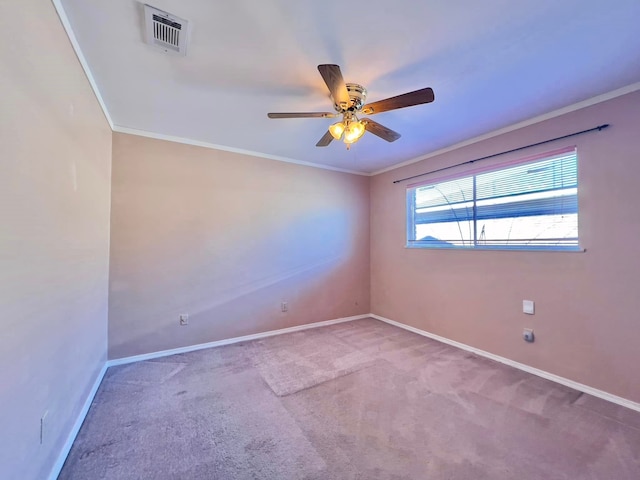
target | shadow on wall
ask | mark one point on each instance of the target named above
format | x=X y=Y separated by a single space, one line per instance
x=235 y=289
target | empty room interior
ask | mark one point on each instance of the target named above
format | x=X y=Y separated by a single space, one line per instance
x=317 y=240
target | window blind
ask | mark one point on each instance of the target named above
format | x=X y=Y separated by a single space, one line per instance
x=529 y=205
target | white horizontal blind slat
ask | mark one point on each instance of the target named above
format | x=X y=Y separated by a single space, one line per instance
x=437 y=178
x=522 y=205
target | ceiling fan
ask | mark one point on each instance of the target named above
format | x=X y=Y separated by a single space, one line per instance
x=348 y=101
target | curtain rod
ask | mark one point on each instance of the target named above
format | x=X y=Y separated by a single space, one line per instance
x=598 y=128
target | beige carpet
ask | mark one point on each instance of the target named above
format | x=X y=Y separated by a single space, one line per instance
x=294 y=362
x=359 y=400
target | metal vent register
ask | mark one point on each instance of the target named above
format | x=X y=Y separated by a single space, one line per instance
x=165 y=31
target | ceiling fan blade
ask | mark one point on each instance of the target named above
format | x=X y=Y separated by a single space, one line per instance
x=332 y=76
x=325 y=140
x=302 y=115
x=410 y=99
x=380 y=130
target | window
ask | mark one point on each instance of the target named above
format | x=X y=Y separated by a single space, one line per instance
x=531 y=204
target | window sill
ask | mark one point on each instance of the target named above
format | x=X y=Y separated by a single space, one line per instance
x=498 y=248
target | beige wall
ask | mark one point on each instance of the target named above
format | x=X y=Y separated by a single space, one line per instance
x=54 y=239
x=225 y=238
x=587 y=304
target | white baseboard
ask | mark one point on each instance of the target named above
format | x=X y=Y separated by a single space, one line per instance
x=520 y=366
x=229 y=341
x=57 y=467
x=55 y=471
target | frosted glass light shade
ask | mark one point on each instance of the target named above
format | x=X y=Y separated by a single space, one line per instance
x=353 y=132
x=336 y=130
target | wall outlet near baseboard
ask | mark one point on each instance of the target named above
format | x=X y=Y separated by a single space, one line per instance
x=527 y=335
x=42 y=425
x=284 y=306
x=184 y=319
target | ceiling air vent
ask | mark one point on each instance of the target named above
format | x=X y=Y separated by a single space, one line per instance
x=165 y=31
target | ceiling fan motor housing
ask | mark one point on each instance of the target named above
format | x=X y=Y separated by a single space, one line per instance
x=357 y=97
x=349 y=101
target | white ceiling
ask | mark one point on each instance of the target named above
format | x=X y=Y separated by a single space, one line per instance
x=491 y=64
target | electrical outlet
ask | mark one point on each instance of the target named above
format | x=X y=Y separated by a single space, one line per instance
x=528 y=335
x=284 y=306
x=42 y=425
x=184 y=319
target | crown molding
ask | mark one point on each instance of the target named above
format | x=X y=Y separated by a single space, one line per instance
x=83 y=61
x=516 y=126
x=213 y=146
x=187 y=141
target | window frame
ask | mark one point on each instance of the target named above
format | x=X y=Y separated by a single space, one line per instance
x=410 y=207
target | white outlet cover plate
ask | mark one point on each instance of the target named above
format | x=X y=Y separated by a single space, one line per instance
x=528 y=307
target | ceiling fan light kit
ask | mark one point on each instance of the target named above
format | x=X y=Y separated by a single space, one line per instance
x=349 y=130
x=349 y=99
x=337 y=129
x=354 y=131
